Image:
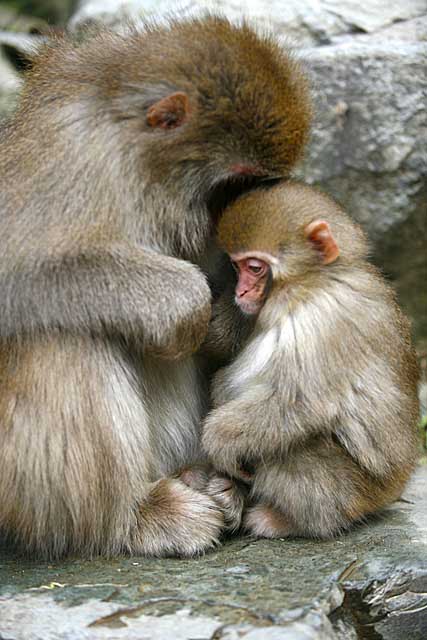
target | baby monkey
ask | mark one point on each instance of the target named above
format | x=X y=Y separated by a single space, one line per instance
x=321 y=403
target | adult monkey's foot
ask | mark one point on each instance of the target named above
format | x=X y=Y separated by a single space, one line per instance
x=175 y=520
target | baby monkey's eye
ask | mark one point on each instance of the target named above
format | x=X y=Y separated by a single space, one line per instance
x=255 y=266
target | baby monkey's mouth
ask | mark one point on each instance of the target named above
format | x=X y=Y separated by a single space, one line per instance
x=227 y=191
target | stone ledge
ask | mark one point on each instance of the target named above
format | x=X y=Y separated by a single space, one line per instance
x=373 y=578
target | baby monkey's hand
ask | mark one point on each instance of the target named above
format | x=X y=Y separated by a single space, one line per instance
x=227 y=446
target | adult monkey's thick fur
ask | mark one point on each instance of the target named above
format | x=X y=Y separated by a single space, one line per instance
x=106 y=173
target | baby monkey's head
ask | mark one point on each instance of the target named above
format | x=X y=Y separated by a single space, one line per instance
x=284 y=235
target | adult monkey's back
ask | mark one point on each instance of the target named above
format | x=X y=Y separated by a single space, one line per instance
x=107 y=171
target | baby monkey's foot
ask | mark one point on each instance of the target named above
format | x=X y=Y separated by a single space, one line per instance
x=227 y=493
x=264 y=521
x=231 y=496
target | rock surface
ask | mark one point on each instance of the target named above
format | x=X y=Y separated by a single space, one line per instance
x=308 y=22
x=371 y=581
x=9 y=87
x=369 y=150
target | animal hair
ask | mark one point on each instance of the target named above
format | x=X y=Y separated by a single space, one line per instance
x=322 y=399
x=106 y=231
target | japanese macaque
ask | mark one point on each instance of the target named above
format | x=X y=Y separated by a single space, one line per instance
x=319 y=410
x=112 y=173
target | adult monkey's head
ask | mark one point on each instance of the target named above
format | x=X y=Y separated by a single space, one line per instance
x=232 y=108
x=191 y=114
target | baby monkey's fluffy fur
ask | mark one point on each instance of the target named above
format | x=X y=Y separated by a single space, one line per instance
x=321 y=403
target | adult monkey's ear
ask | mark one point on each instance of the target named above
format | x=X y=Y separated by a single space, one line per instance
x=170 y=112
x=320 y=235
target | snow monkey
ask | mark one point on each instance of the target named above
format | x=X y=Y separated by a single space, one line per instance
x=113 y=171
x=319 y=409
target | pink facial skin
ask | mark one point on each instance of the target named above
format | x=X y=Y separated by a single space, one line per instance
x=252 y=284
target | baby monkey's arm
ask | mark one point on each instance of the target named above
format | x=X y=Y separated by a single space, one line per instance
x=244 y=432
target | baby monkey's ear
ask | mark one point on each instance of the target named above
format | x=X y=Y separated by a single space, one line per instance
x=170 y=112
x=320 y=235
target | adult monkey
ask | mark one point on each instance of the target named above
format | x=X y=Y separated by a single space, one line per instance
x=107 y=173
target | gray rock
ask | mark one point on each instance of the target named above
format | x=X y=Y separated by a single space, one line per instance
x=307 y=22
x=13 y=20
x=303 y=22
x=369 y=150
x=371 y=580
x=114 y=13
x=10 y=84
x=13 y=47
x=24 y=43
x=414 y=30
x=375 y=14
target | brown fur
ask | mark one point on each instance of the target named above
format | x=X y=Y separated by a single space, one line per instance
x=322 y=400
x=103 y=198
x=228 y=494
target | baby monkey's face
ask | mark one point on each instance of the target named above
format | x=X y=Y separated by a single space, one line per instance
x=254 y=277
x=278 y=238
